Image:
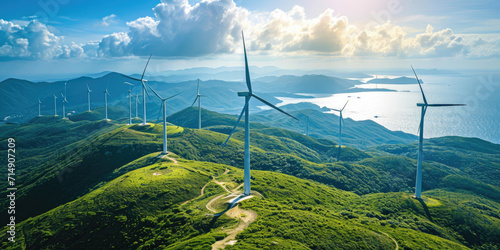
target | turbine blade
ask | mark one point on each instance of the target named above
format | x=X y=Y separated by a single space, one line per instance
x=235 y=125
x=144 y=72
x=88 y=89
x=132 y=78
x=147 y=84
x=198 y=88
x=247 y=73
x=335 y=109
x=39 y=101
x=146 y=89
x=344 y=106
x=170 y=97
x=445 y=105
x=272 y=106
x=159 y=113
x=128 y=83
x=425 y=100
x=194 y=101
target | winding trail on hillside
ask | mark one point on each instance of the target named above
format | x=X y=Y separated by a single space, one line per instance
x=170 y=158
x=245 y=217
x=386 y=234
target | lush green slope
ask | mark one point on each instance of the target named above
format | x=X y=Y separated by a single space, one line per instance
x=78 y=160
x=145 y=209
x=67 y=175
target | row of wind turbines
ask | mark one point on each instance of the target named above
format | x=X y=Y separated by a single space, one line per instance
x=245 y=111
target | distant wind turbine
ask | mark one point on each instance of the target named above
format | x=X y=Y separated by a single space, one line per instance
x=130 y=102
x=55 y=104
x=418 y=181
x=64 y=100
x=248 y=95
x=341 y=120
x=106 y=93
x=198 y=97
x=39 y=111
x=88 y=94
x=164 y=107
x=136 y=101
x=144 y=90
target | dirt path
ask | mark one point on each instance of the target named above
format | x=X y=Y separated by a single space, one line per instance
x=246 y=217
x=170 y=158
x=397 y=245
x=203 y=189
x=202 y=193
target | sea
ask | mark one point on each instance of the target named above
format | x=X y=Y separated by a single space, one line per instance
x=398 y=111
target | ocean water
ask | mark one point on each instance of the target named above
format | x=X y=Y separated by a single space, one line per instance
x=398 y=111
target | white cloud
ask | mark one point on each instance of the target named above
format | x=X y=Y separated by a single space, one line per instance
x=107 y=20
x=33 y=41
x=181 y=29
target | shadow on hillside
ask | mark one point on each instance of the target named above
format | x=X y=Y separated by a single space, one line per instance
x=218 y=215
x=426 y=209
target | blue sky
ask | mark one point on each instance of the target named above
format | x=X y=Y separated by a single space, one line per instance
x=68 y=37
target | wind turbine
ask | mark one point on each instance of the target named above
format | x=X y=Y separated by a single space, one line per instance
x=136 y=101
x=106 y=93
x=64 y=100
x=164 y=106
x=130 y=102
x=198 y=97
x=63 y=106
x=341 y=120
x=55 y=104
x=144 y=90
x=39 y=102
x=248 y=95
x=88 y=94
x=418 y=181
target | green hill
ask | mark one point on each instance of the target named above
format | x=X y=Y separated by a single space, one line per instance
x=158 y=206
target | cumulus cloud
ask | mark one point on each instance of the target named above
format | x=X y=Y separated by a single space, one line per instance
x=330 y=34
x=33 y=41
x=107 y=20
x=180 y=29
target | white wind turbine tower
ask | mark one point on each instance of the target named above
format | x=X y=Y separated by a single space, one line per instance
x=136 y=101
x=39 y=111
x=88 y=94
x=341 y=120
x=144 y=90
x=64 y=100
x=130 y=102
x=198 y=97
x=55 y=104
x=418 y=181
x=106 y=93
x=248 y=95
x=164 y=107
